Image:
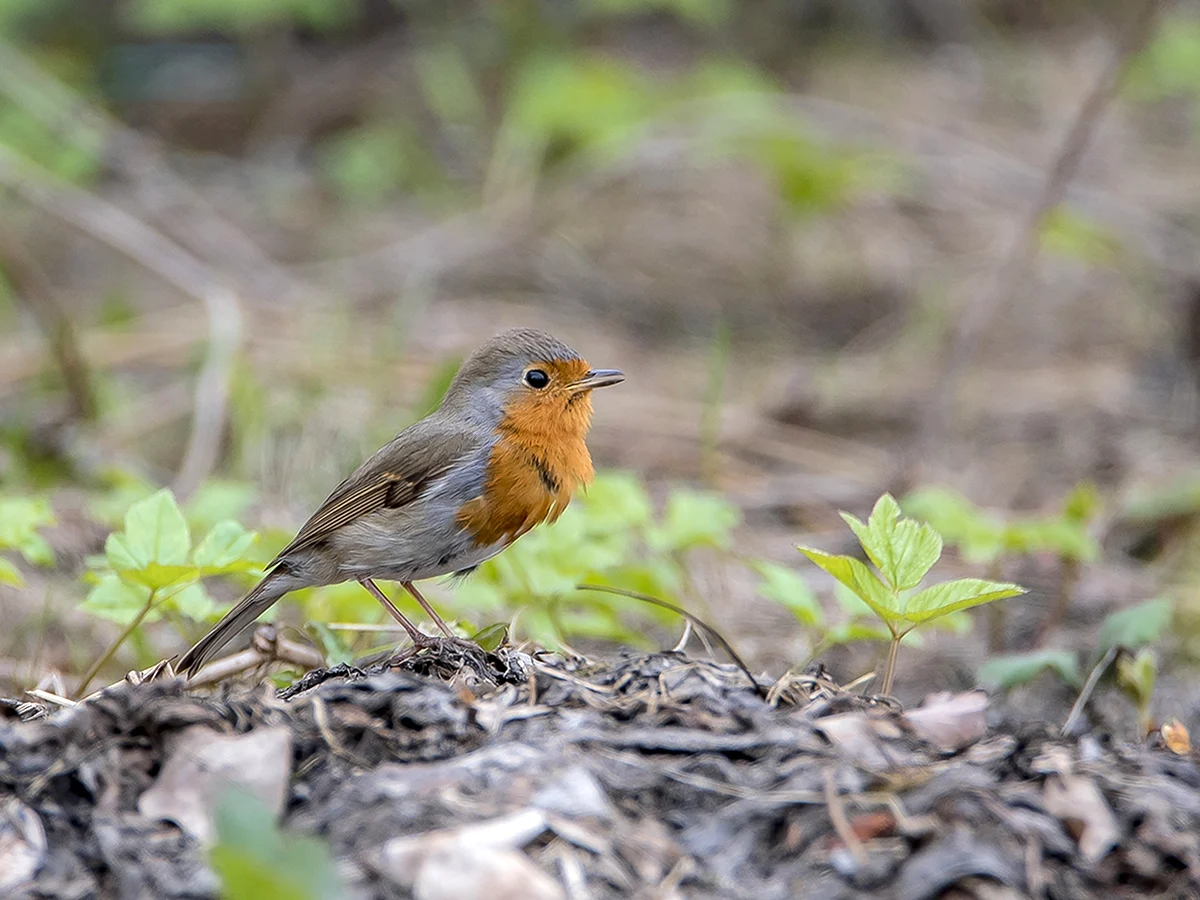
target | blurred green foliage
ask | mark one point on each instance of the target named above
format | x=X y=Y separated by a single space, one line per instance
x=21 y=518
x=983 y=536
x=256 y=860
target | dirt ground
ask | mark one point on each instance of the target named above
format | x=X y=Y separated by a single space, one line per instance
x=653 y=776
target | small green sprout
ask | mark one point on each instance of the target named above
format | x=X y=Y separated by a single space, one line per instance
x=151 y=569
x=903 y=551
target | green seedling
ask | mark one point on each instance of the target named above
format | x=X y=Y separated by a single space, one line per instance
x=903 y=551
x=1136 y=675
x=152 y=569
x=20 y=520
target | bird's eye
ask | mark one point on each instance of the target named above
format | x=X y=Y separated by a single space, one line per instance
x=536 y=378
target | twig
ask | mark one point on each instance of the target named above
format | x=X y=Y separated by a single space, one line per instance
x=265 y=647
x=680 y=611
x=1089 y=688
x=116 y=644
x=841 y=824
x=32 y=287
x=170 y=200
x=141 y=243
x=1018 y=262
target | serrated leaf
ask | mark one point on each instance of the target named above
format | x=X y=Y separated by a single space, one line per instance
x=903 y=549
x=224 y=549
x=788 y=589
x=155 y=531
x=951 y=596
x=858 y=578
x=1004 y=672
x=10 y=574
x=1135 y=627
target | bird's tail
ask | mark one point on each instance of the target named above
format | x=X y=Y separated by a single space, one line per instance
x=249 y=608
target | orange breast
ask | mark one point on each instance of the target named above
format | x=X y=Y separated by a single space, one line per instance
x=536 y=465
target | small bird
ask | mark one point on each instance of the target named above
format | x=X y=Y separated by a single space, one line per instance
x=502 y=453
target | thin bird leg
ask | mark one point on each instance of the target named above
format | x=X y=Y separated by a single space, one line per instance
x=405 y=623
x=412 y=589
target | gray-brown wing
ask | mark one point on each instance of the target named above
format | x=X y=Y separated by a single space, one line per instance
x=396 y=475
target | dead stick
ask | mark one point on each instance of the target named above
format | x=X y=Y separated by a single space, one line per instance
x=1019 y=261
x=33 y=289
x=114 y=226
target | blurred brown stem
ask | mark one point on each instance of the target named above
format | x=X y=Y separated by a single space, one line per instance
x=33 y=289
x=159 y=254
x=1018 y=262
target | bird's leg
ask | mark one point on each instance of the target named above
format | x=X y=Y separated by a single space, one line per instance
x=412 y=589
x=413 y=632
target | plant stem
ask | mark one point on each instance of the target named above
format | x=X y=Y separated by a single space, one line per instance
x=889 y=673
x=115 y=645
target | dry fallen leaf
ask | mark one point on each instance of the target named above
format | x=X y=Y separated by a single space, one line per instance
x=22 y=845
x=479 y=860
x=950 y=721
x=202 y=764
x=1176 y=737
x=1079 y=804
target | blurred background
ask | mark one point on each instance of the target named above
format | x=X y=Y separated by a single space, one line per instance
x=839 y=248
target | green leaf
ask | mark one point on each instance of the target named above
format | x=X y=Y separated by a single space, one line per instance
x=849 y=632
x=1004 y=672
x=224 y=549
x=951 y=596
x=1137 y=626
x=332 y=644
x=1136 y=676
x=10 y=574
x=902 y=549
x=155 y=576
x=192 y=602
x=20 y=519
x=788 y=589
x=113 y=599
x=492 y=637
x=858 y=578
x=257 y=861
x=156 y=531
x=694 y=519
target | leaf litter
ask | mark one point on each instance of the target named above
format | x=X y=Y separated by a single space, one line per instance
x=643 y=776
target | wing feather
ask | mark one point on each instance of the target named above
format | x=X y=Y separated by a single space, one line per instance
x=395 y=476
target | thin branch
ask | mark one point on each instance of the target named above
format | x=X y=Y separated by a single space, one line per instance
x=161 y=194
x=1018 y=262
x=1089 y=688
x=33 y=289
x=157 y=253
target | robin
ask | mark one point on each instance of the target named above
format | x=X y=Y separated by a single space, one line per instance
x=503 y=453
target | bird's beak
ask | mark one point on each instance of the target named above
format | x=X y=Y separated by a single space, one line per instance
x=598 y=378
